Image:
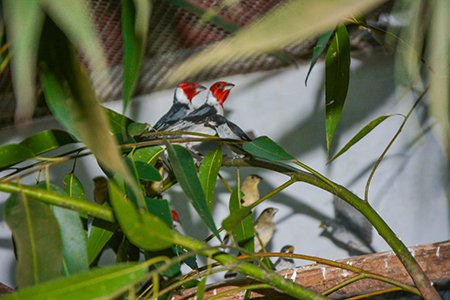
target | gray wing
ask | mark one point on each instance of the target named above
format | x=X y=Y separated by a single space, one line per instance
x=177 y=112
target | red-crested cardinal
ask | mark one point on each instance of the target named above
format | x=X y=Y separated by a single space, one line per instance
x=209 y=119
x=182 y=104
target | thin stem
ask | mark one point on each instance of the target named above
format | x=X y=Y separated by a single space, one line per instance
x=391 y=142
x=255 y=272
x=375 y=293
x=272 y=193
x=339 y=265
x=343 y=284
x=86 y=207
x=415 y=271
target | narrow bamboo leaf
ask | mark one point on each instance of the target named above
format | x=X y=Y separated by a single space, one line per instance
x=73 y=187
x=337 y=69
x=147 y=172
x=37 y=238
x=208 y=171
x=73 y=102
x=319 y=48
x=135 y=21
x=184 y=170
x=103 y=283
x=148 y=155
x=12 y=154
x=273 y=32
x=362 y=133
x=201 y=287
x=243 y=233
x=47 y=140
x=234 y=219
x=118 y=123
x=24 y=20
x=161 y=209
x=201 y=12
x=98 y=237
x=264 y=147
x=73 y=19
x=144 y=230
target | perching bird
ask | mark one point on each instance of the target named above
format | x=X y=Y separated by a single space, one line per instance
x=250 y=190
x=195 y=121
x=100 y=189
x=283 y=263
x=225 y=129
x=182 y=104
x=264 y=228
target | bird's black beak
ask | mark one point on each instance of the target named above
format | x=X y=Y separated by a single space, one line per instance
x=201 y=88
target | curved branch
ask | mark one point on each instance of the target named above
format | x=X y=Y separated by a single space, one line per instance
x=415 y=271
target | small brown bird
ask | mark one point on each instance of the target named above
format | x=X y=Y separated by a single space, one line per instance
x=285 y=262
x=250 y=189
x=264 y=228
x=101 y=189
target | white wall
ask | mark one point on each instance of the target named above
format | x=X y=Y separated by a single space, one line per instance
x=408 y=190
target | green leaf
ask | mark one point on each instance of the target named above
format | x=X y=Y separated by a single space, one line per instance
x=74 y=241
x=184 y=170
x=24 y=20
x=244 y=232
x=319 y=48
x=161 y=209
x=118 y=123
x=53 y=198
x=136 y=129
x=337 y=69
x=12 y=154
x=103 y=283
x=148 y=155
x=264 y=147
x=73 y=187
x=234 y=219
x=98 y=237
x=73 y=236
x=73 y=19
x=362 y=133
x=135 y=23
x=147 y=172
x=144 y=230
x=208 y=171
x=73 y=102
x=37 y=238
x=48 y=140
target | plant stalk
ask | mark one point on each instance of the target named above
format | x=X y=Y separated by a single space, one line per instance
x=415 y=271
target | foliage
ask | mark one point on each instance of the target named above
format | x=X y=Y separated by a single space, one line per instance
x=50 y=223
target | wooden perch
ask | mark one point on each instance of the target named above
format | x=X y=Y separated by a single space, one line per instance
x=433 y=258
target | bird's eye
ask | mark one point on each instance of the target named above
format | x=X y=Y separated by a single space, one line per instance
x=219 y=85
x=192 y=87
